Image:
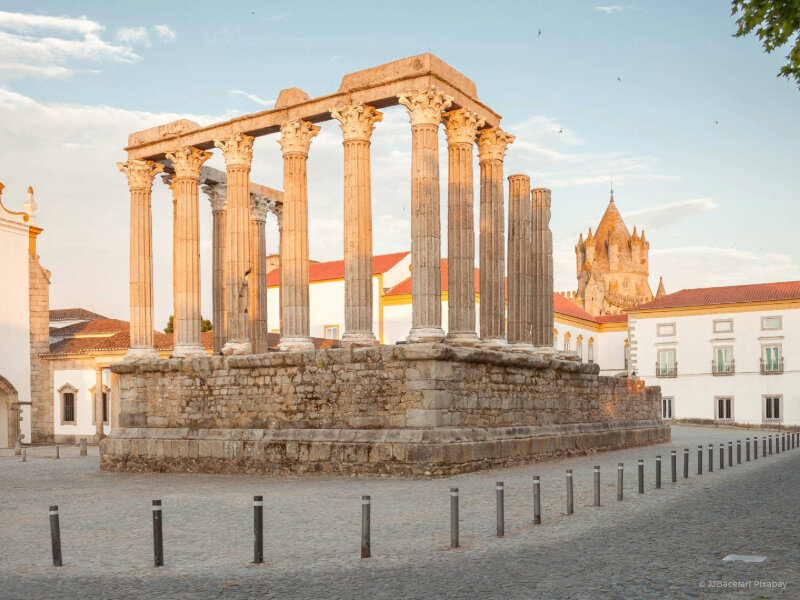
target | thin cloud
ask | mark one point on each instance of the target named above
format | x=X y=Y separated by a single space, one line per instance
x=134 y=35
x=23 y=22
x=165 y=33
x=608 y=9
x=12 y=70
x=252 y=97
x=658 y=217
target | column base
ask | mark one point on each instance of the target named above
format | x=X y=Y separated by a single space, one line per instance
x=187 y=351
x=494 y=344
x=522 y=347
x=237 y=348
x=425 y=334
x=356 y=339
x=295 y=344
x=141 y=354
x=462 y=338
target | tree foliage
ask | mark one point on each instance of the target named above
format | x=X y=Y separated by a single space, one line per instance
x=776 y=23
x=205 y=325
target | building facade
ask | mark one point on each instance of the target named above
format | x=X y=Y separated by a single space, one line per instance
x=724 y=354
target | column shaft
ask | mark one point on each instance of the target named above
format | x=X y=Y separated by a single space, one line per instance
x=140 y=179
x=520 y=257
x=258 y=291
x=542 y=296
x=98 y=405
x=218 y=277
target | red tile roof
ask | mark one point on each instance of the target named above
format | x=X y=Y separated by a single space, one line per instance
x=732 y=294
x=73 y=314
x=101 y=326
x=335 y=269
x=404 y=287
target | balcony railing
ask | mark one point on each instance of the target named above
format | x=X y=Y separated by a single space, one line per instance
x=771 y=367
x=723 y=368
x=666 y=370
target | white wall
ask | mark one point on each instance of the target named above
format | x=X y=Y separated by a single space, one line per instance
x=14 y=310
x=695 y=388
x=83 y=379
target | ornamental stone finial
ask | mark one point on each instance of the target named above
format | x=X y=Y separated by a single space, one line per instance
x=140 y=173
x=357 y=122
x=237 y=149
x=492 y=143
x=296 y=136
x=217 y=195
x=187 y=161
x=461 y=126
x=425 y=106
x=30 y=206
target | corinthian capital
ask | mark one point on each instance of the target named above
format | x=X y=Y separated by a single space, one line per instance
x=425 y=106
x=140 y=173
x=461 y=125
x=492 y=143
x=296 y=136
x=217 y=196
x=258 y=207
x=237 y=149
x=187 y=161
x=357 y=122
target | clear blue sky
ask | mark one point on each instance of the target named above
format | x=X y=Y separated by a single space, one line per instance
x=701 y=135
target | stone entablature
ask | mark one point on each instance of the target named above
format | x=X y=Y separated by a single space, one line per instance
x=427 y=400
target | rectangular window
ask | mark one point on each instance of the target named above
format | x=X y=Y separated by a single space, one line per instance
x=579 y=350
x=666 y=407
x=724 y=408
x=772 y=408
x=771 y=361
x=667 y=365
x=332 y=332
x=590 y=354
x=69 y=407
x=768 y=323
x=723 y=325
x=105 y=407
x=723 y=361
x=665 y=329
x=566 y=342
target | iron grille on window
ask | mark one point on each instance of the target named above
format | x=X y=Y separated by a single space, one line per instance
x=667 y=370
x=723 y=368
x=69 y=406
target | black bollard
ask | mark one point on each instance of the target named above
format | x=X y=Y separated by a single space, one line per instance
x=501 y=512
x=58 y=452
x=658 y=472
x=686 y=463
x=747 y=449
x=721 y=456
x=597 y=485
x=700 y=460
x=755 y=447
x=258 y=529
x=770 y=445
x=570 y=504
x=730 y=454
x=673 y=457
x=366 y=543
x=454 y=517
x=738 y=452
x=55 y=536
x=537 y=502
x=158 y=540
x=711 y=458
x=619 y=480
x=641 y=476
x=764 y=446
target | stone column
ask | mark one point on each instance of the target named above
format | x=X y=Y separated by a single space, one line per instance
x=542 y=272
x=357 y=123
x=238 y=151
x=98 y=404
x=217 y=195
x=425 y=113
x=520 y=258
x=295 y=140
x=461 y=127
x=140 y=180
x=492 y=144
x=186 y=260
x=258 y=259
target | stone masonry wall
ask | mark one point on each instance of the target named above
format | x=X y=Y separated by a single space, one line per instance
x=41 y=379
x=422 y=408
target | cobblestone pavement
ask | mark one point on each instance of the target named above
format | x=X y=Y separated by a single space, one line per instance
x=666 y=543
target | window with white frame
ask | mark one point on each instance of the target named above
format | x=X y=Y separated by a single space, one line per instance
x=331 y=332
x=590 y=350
x=723 y=408
x=665 y=329
x=567 y=338
x=667 y=365
x=666 y=407
x=723 y=325
x=579 y=347
x=771 y=323
x=723 y=360
x=771 y=361
x=773 y=408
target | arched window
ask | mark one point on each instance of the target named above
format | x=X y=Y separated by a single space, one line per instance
x=94 y=404
x=69 y=404
x=566 y=340
x=579 y=346
x=590 y=351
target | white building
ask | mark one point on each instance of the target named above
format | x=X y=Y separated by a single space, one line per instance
x=595 y=339
x=20 y=274
x=724 y=354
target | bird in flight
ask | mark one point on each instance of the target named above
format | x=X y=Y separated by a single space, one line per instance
x=619 y=79
x=561 y=130
x=540 y=33
x=716 y=122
